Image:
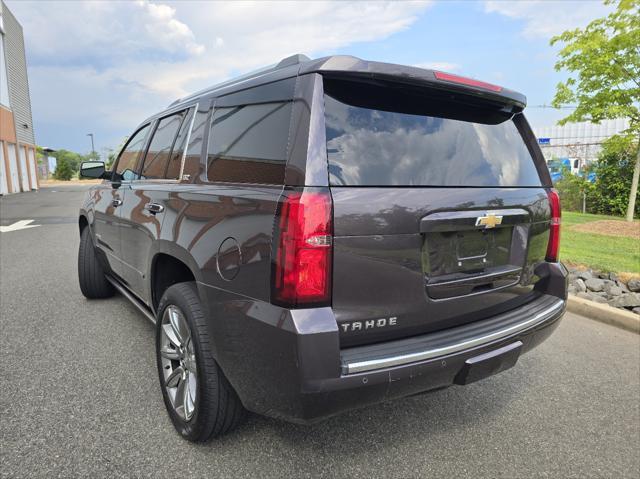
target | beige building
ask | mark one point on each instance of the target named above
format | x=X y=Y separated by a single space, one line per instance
x=17 y=141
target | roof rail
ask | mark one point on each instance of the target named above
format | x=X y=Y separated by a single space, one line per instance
x=292 y=60
x=286 y=62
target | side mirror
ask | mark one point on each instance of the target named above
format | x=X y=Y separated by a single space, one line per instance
x=92 y=169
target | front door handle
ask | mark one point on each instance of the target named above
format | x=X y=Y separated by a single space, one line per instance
x=154 y=208
x=116 y=203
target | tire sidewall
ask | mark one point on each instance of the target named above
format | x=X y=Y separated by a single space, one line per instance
x=193 y=428
x=91 y=272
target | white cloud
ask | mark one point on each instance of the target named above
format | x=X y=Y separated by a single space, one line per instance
x=544 y=19
x=121 y=61
x=101 y=33
x=440 y=66
x=166 y=30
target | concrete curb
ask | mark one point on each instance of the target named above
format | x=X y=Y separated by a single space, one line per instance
x=604 y=313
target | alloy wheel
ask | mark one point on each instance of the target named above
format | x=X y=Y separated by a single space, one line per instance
x=178 y=359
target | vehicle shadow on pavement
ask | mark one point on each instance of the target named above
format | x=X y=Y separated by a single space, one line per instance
x=424 y=417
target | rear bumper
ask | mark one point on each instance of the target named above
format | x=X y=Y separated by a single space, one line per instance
x=288 y=363
x=417 y=371
x=449 y=342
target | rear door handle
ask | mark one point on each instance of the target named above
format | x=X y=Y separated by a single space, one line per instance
x=154 y=208
x=116 y=203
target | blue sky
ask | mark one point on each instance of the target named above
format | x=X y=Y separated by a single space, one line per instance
x=102 y=67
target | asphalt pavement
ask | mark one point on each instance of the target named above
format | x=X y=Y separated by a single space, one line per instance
x=80 y=395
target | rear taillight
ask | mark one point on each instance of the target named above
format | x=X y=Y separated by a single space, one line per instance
x=448 y=77
x=303 y=249
x=553 y=248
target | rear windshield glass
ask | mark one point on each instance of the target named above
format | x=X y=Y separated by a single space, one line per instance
x=369 y=147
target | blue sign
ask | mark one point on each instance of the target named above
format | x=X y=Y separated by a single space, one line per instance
x=556 y=176
x=544 y=141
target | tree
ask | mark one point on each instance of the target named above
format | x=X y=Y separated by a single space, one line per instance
x=63 y=169
x=604 y=61
x=613 y=177
x=72 y=158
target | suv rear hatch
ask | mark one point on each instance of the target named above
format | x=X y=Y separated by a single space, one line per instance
x=440 y=213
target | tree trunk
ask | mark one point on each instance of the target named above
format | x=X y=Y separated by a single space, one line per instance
x=634 y=186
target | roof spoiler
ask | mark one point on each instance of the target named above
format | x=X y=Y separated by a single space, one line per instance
x=345 y=67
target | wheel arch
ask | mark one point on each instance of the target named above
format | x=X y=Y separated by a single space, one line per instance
x=83 y=222
x=167 y=269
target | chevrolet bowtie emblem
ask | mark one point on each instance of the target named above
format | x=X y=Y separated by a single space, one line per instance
x=489 y=221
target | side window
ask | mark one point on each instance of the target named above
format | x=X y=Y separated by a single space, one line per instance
x=128 y=160
x=157 y=158
x=192 y=158
x=248 y=144
x=175 y=160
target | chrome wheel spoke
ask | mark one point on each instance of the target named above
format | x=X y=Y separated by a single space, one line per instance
x=189 y=395
x=180 y=394
x=169 y=332
x=178 y=324
x=170 y=353
x=175 y=378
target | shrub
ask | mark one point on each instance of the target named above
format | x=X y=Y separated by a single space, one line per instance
x=614 y=170
x=64 y=171
x=571 y=189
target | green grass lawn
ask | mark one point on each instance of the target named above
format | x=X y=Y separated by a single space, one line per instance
x=607 y=253
x=573 y=218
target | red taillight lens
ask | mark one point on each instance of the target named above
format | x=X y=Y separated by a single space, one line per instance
x=448 y=77
x=303 y=249
x=553 y=248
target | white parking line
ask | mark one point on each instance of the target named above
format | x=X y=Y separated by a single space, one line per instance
x=18 y=225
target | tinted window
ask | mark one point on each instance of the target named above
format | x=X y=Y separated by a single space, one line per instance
x=175 y=161
x=375 y=147
x=157 y=158
x=248 y=144
x=128 y=161
x=194 y=151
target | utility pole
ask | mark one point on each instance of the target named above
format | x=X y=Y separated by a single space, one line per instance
x=93 y=149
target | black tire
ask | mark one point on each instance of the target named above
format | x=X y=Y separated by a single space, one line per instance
x=93 y=282
x=217 y=406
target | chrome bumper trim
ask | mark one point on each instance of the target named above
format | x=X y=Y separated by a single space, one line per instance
x=372 y=364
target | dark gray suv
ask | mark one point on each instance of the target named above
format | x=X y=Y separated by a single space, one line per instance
x=328 y=234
